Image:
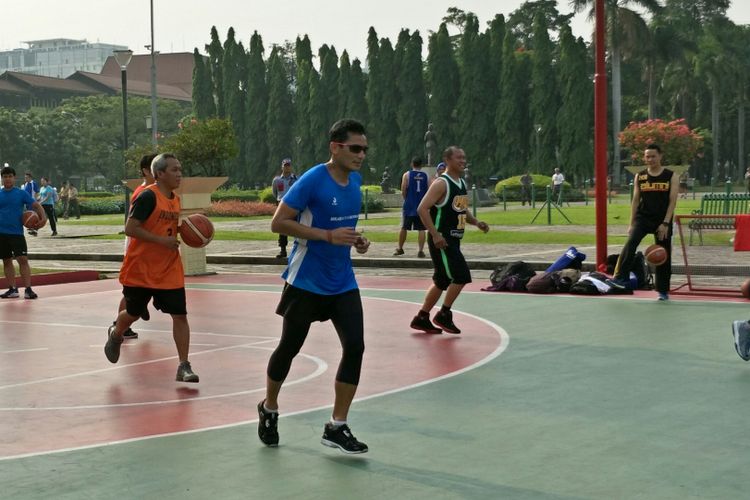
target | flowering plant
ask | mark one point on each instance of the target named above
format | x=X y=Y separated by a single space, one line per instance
x=677 y=141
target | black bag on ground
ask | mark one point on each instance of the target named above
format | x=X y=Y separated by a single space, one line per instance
x=640 y=268
x=518 y=268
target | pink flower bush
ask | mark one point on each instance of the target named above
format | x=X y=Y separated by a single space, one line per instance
x=235 y=208
x=679 y=144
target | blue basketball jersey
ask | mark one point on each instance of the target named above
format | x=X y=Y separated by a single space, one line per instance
x=415 y=191
x=12 y=203
x=315 y=265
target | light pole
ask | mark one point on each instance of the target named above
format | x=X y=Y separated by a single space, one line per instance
x=123 y=59
x=154 y=121
x=537 y=130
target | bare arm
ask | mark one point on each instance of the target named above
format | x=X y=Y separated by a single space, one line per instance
x=285 y=222
x=41 y=213
x=674 y=191
x=404 y=184
x=634 y=204
x=134 y=229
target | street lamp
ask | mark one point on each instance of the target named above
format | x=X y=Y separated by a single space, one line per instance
x=154 y=131
x=537 y=130
x=123 y=59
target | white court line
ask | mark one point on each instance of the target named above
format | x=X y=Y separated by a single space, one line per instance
x=120 y=367
x=504 y=342
x=25 y=350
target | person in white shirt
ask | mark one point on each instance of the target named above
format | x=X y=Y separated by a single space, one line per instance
x=557 y=180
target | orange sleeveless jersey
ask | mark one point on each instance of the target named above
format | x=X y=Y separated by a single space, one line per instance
x=136 y=192
x=151 y=265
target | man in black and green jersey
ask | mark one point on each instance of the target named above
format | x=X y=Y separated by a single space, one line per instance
x=444 y=212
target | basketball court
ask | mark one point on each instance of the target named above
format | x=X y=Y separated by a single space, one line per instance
x=540 y=397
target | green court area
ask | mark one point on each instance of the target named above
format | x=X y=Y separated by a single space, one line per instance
x=592 y=398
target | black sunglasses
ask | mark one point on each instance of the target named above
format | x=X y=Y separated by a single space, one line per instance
x=354 y=148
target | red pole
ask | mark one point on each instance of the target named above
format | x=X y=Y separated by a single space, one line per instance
x=600 y=137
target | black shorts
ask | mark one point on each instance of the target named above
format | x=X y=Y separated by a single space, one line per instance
x=306 y=306
x=449 y=262
x=12 y=246
x=412 y=223
x=167 y=301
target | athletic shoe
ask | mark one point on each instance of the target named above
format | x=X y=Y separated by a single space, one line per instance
x=145 y=315
x=11 y=293
x=421 y=254
x=741 y=333
x=129 y=334
x=663 y=296
x=185 y=373
x=423 y=323
x=342 y=438
x=445 y=321
x=32 y=232
x=281 y=255
x=399 y=251
x=268 y=431
x=29 y=293
x=619 y=283
x=54 y=233
x=112 y=347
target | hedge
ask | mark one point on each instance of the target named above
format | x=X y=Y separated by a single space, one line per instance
x=512 y=187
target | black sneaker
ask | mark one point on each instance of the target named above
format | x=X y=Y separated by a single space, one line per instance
x=421 y=254
x=281 y=255
x=424 y=324
x=445 y=321
x=129 y=334
x=268 y=431
x=11 y=293
x=185 y=373
x=343 y=439
x=29 y=293
x=399 y=251
x=112 y=347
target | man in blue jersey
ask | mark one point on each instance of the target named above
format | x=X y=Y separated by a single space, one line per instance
x=12 y=242
x=414 y=184
x=321 y=211
x=31 y=187
x=444 y=212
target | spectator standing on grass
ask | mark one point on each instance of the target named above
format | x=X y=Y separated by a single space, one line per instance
x=414 y=184
x=73 y=206
x=526 y=181
x=557 y=181
x=47 y=198
x=280 y=185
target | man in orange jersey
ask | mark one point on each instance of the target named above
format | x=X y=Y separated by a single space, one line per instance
x=152 y=268
x=148 y=179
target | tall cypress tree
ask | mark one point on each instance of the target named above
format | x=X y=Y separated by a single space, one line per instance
x=318 y=124
x=374 y=97
x=203 y=92
x=475 y=108
x=356 y=101
x=388 y=154
x=497 y=34
x=329 y=84
x=510 y=113
x=443 y=81
x=257 y=104
x=345 y=77
x=234 y=71
x=544 y=97
x=576 y=109
x=411 y=115
x=216 y=56
x=279 y=119
x=304 y=151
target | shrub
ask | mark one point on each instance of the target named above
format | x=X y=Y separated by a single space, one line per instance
x=513 y=188
x=373 y=205
x=102 y=206
x=236 y=208
x=267 y=196
x=372 y=189
x=678 y=143
x=222 y=195
x=95 y=194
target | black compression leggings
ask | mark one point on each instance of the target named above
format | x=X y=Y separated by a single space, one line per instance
x=349 y=328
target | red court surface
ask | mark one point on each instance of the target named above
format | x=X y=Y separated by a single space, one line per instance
x=58 y=391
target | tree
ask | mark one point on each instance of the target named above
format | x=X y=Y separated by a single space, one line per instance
x=544 y=97
x=521 y=20
x=234 y=70
x=576 y=107
x=279 y=120
x=619 y=19
x=216 y=55
x=356 y=102
x=387 y=153
x=255 y=136
x=512 y=110
x=318 y=124
x=304 y=152
x=345 y=77
x=204 y=105
x=411 y=115
x=329 y=84
x=443 y=82
x=678 y=143
x=203 y=146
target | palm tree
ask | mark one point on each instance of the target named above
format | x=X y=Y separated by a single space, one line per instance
x=620 y=20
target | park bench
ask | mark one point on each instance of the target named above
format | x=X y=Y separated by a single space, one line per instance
x=718 y=204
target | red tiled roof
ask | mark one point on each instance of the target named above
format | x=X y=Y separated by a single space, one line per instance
x=46 y=82
x=135 y=87
x=9 y=87
x=171 y=69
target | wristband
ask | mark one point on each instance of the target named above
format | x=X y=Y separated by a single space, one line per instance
x=329 y=236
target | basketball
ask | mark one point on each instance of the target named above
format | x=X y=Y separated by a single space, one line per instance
x=196 y=230
x=30 y=219
x=656 y=255
x=745 y=288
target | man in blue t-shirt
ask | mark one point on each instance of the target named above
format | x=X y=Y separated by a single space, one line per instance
x=321 y=211
x=12 y=241
x=414 y=184
x=31 y=187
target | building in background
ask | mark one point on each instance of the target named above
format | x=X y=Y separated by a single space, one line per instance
x=57 y=57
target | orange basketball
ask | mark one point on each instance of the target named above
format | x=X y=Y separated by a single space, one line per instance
x=30 y=219
x=745 y=288
x=196 y=230
x=656 y=255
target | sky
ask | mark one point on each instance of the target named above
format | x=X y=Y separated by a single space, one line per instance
x=181 y=25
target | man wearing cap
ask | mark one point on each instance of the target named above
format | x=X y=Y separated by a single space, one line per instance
x=281 y=184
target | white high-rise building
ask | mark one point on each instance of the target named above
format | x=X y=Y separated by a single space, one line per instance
x=57 y=57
